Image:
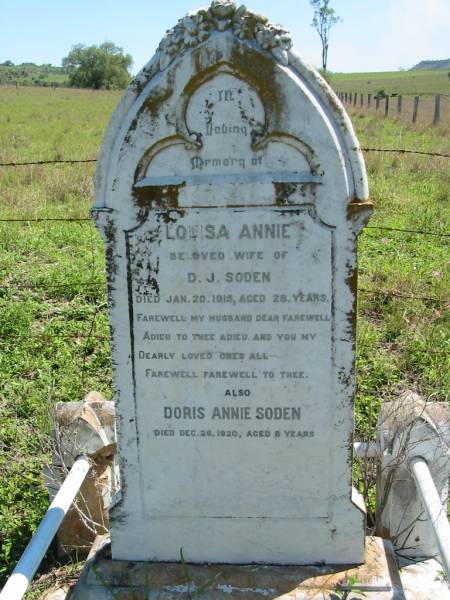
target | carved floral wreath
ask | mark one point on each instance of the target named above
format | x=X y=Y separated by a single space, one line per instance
x=223 y=15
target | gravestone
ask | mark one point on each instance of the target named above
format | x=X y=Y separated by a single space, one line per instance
x=230 y=193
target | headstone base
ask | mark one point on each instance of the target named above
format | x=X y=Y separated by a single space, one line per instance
x=104 y=579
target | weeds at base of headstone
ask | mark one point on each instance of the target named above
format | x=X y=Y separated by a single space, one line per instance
x=190 y=594
x=352 y=583
x=441 y=576
x=189 y=579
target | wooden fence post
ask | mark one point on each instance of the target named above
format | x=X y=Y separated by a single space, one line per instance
x=416 y=108
x=437 y=110
x=377 y=101
x=362 y=100
x=350 y=97
x=399 y=104
x=386 y=109
x=369 y=100
x=355 y=98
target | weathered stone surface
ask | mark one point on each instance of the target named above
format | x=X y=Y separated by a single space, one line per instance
x=230 y=192
x=424 y=581
x=56 y=594
x=377 y=579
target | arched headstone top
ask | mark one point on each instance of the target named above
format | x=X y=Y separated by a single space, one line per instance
x=230 y=191
x=225 y=77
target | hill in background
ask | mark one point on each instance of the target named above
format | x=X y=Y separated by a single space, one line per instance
x=432 y=65
x=417 y=82
x=427 y=77
x=32 y=74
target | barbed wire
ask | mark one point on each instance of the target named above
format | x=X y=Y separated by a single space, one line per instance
x=94 y=160
x=87 y=220
x=40 y=286
x=405 y=151
x=56 y=334
x=88 y=285
x=390 y=294
x=49 y=162
x=413 y=231
x=48 y=219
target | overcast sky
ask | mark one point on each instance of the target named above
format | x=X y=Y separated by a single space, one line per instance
x=375 y=35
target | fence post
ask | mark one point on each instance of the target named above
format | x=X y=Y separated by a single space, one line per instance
x=362 y=100
x=399 y=104
x=416 y=108
x=437 y=110
x=350 y=97
x=377 y=101
x=355 y=98
x=346 y=96
x=369 y=100
x=386 y=109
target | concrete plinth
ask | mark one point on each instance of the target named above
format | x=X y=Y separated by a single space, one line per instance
x=104 y=579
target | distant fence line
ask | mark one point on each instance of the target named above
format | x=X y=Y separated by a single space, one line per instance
x=357 y=99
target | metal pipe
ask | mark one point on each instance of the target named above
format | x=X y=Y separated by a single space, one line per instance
x=366 y=450
x=18 y=583
x=433 y=506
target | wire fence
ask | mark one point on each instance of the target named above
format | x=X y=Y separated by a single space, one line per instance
x=96 y=283
x=99 y=284
x=94 y=160
x=89 y=221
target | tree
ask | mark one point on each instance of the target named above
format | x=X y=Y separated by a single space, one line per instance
x=98 y=67
x=324 y=19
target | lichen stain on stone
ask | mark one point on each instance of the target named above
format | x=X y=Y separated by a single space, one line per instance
x=159 y=96
x=110 y=233
x=261 y=73
x=144 y=261
x=285 y=191
x=245 y=63
x=156 y=197
x=169 y=217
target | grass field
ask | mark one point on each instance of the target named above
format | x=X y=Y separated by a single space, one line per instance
x=53 y=322
x=393 y=82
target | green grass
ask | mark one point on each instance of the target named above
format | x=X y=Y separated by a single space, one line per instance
x=393 y=82
x=53 y=340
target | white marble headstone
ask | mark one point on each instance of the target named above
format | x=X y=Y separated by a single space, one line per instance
x=230 y=193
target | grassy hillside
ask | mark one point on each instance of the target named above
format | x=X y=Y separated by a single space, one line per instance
x=394 y=82
x=427 y=65
x=31 y=74
x=53 y=322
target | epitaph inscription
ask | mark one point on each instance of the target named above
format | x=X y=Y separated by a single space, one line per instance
x=233 y=341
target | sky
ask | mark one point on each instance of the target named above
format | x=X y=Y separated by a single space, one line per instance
x=375 y=35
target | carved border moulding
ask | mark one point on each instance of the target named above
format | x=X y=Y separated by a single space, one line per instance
x=224 y=15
